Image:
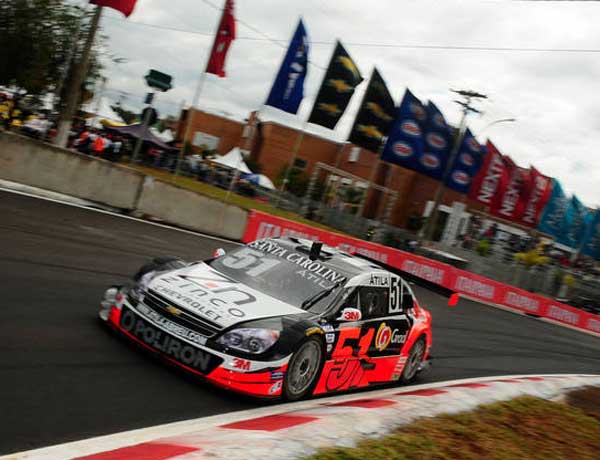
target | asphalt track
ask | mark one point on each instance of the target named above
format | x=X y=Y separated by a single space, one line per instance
x=64 y=377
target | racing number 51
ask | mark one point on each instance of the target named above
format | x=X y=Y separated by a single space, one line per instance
x=246 y=258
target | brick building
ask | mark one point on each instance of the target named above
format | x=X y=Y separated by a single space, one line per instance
x=271 y=144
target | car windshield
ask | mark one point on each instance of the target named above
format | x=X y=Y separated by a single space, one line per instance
x=284 y=274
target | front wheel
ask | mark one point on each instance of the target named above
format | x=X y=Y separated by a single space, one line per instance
x=415 y=357
x=303 y=370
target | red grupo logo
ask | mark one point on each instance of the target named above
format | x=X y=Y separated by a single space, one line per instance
x=402 y=149
x=430 y=161
x=383 y=337
x=467 y=159
x=436 y=141
x=411 y=128
x=461 y=177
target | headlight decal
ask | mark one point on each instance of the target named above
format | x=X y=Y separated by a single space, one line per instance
x=250 y=339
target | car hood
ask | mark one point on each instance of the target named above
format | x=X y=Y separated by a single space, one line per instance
x=211 y=296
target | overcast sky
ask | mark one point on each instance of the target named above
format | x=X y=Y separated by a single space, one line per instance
x=553 y=95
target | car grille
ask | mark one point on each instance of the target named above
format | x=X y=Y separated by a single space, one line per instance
x=160 y=305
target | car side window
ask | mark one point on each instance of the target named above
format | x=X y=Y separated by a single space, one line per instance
x=373 y=302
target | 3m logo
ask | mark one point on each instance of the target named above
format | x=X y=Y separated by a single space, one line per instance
x=241 y=364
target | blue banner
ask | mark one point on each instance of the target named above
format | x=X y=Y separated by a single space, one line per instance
x=591 y=246
x=288 y=89
x=574 y=224
x=467 y=164
x=437 y=143
x=551 y=220
x=404 y=145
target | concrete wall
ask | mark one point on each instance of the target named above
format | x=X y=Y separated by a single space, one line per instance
x=42 y=165
x=191 y=210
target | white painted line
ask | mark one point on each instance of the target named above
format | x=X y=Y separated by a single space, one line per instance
x=114 y=214
x=132 y=437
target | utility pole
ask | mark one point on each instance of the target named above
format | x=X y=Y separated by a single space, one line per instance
x=78 y=76
x=467 y=98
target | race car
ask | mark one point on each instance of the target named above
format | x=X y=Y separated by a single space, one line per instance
x=279 y=317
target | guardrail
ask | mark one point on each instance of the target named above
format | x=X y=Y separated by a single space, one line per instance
x=261 y=225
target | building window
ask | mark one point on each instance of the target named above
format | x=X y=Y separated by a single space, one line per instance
x=300 y=163
x=354 y=155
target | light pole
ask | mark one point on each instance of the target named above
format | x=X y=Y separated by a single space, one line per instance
x=459 y=136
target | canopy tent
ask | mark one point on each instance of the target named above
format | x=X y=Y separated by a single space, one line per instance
x=138 y=131
x=233 y=160
x=259 y=179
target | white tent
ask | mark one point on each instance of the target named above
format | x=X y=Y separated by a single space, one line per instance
x=260 y=179
x=233 y=160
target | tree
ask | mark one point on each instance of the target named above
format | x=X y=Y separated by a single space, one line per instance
x=38 y=41
x=297 y=181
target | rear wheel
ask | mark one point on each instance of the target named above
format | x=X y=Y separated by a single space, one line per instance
x=303 y=370
x=414 y=360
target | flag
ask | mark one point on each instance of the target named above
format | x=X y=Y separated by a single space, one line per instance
x=288 y=88
x=405 y=140
x=591 y=246
x=467 y=164
x=514 y=194
x=574 y=224
x=489 y=183
x=124 y=6
x=552 y=216
x=436 y=143
x=540 y=188
x=375 y=116
x=341 y=78
x=225 y=35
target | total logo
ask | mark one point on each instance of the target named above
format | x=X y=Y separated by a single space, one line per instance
x=411 y=128
x=461 y=177
x=385 y=336
x=402 y=149
x=436 y=141
x=430 y=161
x=467 y=159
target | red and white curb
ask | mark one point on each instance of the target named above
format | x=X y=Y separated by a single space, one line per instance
x=294 y=430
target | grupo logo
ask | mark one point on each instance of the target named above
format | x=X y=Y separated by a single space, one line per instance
x=436 y=141
x=467 y=159
x=461 y=177
x=411 y=128
x=402 y=149
x=430 y=161
x=418 y=111
x=473 y=145
x=383 y=337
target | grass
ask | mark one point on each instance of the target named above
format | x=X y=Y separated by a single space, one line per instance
x=524 y=428
x=220 y=194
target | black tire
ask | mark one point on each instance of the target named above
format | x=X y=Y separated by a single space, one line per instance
x=160 y=263
x=303 y=370
x=413 y=361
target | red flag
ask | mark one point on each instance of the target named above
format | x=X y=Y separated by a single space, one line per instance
x=540 y=188
x=514 y=193
x=124 y=6
x=225 y=35
x=488 y=184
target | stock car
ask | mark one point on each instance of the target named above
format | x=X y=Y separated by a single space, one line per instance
x=279 y=317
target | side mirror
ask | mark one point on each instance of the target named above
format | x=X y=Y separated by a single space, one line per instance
x=350 y=314
x=219 y=252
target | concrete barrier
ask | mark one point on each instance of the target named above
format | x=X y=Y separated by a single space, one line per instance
x=191 y=210
x=48 y=167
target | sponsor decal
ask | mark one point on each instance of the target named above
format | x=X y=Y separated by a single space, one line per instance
x=430 y=161
x=277 y=375
x=427 y=272
x=351 y=315
x=329 y=338
x=173 y=310
x=593 y=324
x=380 y=256
x=383 y=337
x=461 y=177
x=327 y=327
x=241 y=364
x=474 y=287
x=410 y=128
x=513 y=299
x=170 y=346
x=314 y=330
x=531 y=210
x=491 y=181
x=511 y=197
x=436 y=141
x=398 y=368
x=379 y=280
x=268 y=230
x=562 y=314
x=276 y=387
x=398 y=337
x=467 y=159
x=329 y=348
x=170 y=326
x=402 y=149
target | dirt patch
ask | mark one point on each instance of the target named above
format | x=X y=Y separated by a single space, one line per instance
x=524 y=428
x=586 y=399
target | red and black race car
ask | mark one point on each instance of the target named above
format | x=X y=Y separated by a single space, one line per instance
x=277 y=318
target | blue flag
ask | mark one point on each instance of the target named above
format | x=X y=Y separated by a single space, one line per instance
x=436 y=140
x=591 y=246
x=467 y=164
x=574 y=224
x=551 y=221
x=288 y=89
x=404 y=145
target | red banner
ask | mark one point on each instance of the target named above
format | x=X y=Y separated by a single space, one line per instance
x=225 y=35
x=124 y=6
x=490 y=181
x=515 y=193
x=262 y=225
x=540 y=190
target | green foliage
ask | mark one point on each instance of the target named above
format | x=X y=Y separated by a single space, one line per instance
x=297 y=181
